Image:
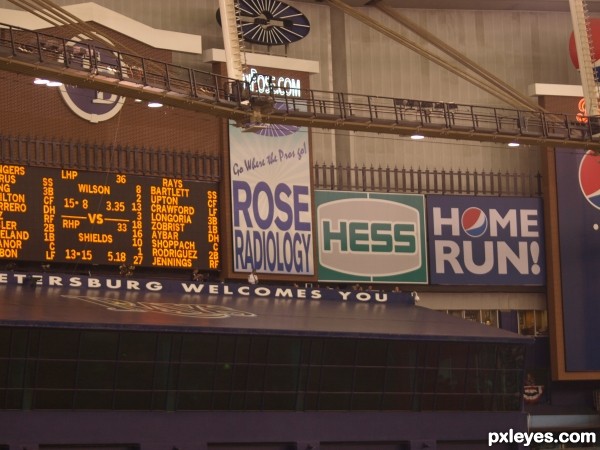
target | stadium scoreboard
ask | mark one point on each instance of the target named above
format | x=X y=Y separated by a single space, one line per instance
x=73 y=216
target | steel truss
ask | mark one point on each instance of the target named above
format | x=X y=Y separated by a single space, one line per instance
x=78 y=63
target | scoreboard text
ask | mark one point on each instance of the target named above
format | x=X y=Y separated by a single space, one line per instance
x=74 y=216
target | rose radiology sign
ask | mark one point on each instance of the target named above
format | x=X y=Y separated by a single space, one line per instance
x=271 y=202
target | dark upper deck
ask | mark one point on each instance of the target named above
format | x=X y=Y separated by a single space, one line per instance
x=232 y=308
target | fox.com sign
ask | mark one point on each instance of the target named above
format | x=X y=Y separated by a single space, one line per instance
x=367 y=237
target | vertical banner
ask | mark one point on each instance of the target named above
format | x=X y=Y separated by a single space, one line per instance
x=271 y=200
x=486 y=240
x=370 y=237
x=578 y=183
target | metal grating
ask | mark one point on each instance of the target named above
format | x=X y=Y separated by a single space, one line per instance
x=40 y=54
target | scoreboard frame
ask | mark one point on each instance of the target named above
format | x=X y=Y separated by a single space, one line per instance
x=108 y=218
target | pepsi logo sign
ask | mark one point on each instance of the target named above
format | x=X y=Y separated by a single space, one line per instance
x=589 y=178
x=475 y=240
x=578 y=212
x=474 y=222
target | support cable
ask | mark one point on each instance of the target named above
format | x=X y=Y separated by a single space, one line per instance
x=493 y=90
x=455 y=54
x=35 y=12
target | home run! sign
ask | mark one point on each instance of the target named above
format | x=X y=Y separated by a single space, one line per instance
x=485 y=240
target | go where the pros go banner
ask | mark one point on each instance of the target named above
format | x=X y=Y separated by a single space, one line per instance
x=271 y=200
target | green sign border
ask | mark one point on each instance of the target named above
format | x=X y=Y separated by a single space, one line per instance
x=417 y=276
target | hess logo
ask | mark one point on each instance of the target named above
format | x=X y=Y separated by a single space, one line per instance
x=474 y=222
x=589 y=178
x=371 y=237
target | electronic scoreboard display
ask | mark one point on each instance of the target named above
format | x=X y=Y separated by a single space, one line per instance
x=73 y=216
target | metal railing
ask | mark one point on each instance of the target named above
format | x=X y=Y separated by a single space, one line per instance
x=109 y=158
x=43 y=48
x=417 y=181
x=25 y=51
x=185 y=165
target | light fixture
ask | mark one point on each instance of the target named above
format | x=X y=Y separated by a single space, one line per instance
x=417 y=137
x=513 y=144
x=49 y=83
x=138 y=100
x=154 y=105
